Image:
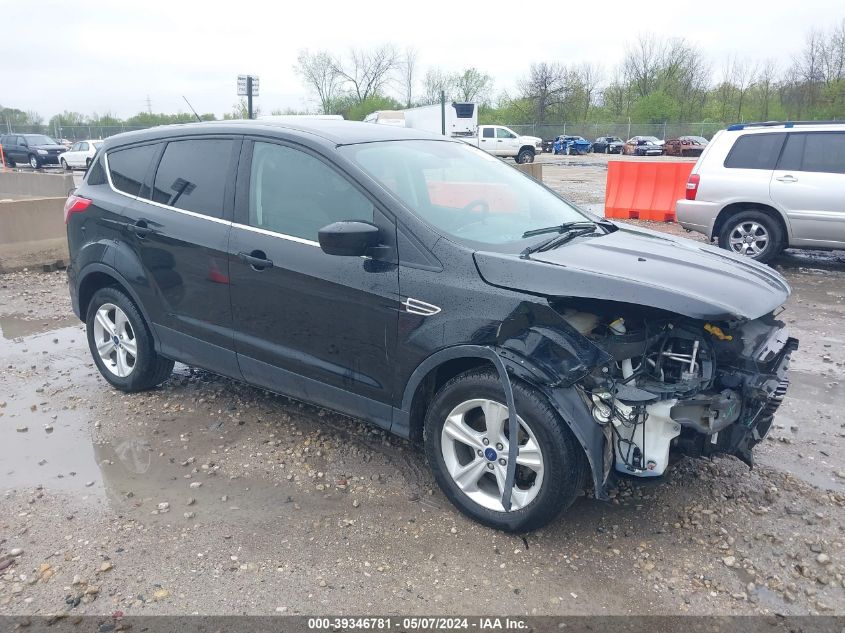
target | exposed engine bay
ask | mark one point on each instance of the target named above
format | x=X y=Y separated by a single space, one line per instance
x=680 y=385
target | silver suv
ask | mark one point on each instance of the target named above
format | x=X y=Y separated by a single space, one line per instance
x=761 y=187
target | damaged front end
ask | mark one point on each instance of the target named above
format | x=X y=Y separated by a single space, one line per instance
x=653 y=382
x=684 y=385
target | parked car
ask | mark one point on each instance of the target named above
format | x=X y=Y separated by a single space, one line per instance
x=413 y=281
x=761 y=187
x=80 y=154
x=643 y=146
x=685 y=146
x=570 y=145
x=608 y=145
x=33 y=149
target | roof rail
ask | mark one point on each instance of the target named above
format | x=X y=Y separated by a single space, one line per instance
x=786 y=124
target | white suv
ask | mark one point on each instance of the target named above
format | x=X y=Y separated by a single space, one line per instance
x=761 y=187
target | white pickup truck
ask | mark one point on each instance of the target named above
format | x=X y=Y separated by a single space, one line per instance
x=461 y=122
x=502 y=141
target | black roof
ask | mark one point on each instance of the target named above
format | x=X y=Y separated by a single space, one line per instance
x=330 y=131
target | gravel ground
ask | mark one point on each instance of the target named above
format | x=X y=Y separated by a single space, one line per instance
x=208 y=496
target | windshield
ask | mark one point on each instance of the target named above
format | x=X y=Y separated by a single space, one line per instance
x=463 y=191
x=40 y=139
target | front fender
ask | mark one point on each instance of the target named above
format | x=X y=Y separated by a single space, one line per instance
x=534 y=353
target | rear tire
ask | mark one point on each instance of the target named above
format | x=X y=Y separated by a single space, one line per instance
x=562 y=471
x=752 y=233
x=106 y=313
x=525 y=156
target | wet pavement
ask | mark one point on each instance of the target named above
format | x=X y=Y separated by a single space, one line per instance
x=209 y=496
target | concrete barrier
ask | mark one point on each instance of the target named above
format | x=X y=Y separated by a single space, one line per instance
x=32 y=233
x=535 y=170
x=33 y=184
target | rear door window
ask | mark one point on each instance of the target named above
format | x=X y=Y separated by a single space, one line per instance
x=755 y=151
x=192 y=175
x=128 y=167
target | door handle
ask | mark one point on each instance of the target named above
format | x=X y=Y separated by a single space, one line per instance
x=787 y=178
x=257 y=259
x=498 y=140
x=141 y=229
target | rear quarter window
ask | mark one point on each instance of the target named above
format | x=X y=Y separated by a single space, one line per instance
x=755 y=151
x=96 y=174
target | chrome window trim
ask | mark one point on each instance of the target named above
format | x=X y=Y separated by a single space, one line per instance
x=192 y=214
x=284 y=236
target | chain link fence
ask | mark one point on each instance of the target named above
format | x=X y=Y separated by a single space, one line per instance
x=592 y=131
x=546 y=131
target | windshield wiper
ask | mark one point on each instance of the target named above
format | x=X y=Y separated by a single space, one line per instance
x=554 y=242
x=560 y=228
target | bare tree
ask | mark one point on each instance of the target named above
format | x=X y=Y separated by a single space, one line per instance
x=472 y=85
x=367 y=71
x=745 y=74
x=435 y=82
x=642 y=63
x=545 y=87
x=765 y=85
x=588 y=77
x=319 y=74
x=408 y=68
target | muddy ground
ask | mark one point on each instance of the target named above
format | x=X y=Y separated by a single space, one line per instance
x=208 y=496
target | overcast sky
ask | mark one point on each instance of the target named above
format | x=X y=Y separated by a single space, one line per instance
x=110 y=56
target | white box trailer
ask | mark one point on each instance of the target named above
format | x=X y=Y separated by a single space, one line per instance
x=461 y=118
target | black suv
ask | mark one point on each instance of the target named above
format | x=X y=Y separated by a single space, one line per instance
x=427 y=287
x=32 y=149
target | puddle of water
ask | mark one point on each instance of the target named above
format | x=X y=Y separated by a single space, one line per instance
x=13 y=326
x=132 y=466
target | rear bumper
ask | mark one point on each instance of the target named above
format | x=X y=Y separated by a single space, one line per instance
x=697 y=215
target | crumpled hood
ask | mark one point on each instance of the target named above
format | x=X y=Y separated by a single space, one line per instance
x=644 y=267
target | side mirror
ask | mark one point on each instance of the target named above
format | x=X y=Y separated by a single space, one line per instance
x=348 y=238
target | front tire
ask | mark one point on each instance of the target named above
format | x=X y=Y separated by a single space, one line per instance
x=34 y=162
x=469 y=410
x=65 y=166
x=121 y=343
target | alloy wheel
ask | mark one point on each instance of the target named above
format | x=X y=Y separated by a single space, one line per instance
x=115 y=340
x=474 y=444
x=749 y=238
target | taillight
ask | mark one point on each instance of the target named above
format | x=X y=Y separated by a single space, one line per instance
x=75 y=204
x=692 y=186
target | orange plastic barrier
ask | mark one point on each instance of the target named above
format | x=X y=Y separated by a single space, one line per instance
x=645 y=190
